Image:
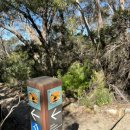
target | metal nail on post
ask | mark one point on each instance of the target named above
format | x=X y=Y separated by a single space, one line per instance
x=45 y=100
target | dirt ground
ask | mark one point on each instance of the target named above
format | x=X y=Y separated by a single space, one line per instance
x=75 y=117
x=104 y=118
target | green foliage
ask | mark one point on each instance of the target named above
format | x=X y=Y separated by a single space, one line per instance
x=15 y=68
x=60 y=3
x=77 y=78
x=111 y=34
x=100 y=95
x=71 y=24
x=103 y=96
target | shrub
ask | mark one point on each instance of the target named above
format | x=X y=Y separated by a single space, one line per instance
x=99 y=94
x=102 y=93
x=77 y=78
x=15 y=67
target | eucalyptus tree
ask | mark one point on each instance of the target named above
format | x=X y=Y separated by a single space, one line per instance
x=41 y=26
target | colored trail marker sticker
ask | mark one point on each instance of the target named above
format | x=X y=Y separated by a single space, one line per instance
x=55 y=118
x=54 y=97
x=34 y=97
x=35 y=126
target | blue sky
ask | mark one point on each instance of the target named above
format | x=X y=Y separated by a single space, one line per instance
x=7 y=35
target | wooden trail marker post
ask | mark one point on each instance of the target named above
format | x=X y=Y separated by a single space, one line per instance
x=45 y=100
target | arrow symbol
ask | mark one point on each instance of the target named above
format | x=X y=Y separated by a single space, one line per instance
x=36 y=127
x=34 y=115
x=54 y=114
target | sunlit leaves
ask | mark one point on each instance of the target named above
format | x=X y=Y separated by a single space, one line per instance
x=60 y=3
x=16 y=67
x=71 y=24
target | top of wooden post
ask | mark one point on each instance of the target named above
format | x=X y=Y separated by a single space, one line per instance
x=42 y=81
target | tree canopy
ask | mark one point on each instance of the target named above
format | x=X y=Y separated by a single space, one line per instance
x=53 y=35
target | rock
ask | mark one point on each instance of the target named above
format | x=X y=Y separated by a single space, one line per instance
x=2 y=94
x=1 y=84
x=19 y=119
x=88 y=110
x=96 y=108
x=112 y=111
x=7 y=100
x=74 y=126
x=72 y=100
x=127 y=110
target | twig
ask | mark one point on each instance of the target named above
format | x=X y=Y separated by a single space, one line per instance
x=12 y=109
x=119 y=92
x=111 y=49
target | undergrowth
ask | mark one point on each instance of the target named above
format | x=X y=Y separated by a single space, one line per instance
x=99 y=94
x=77 y=78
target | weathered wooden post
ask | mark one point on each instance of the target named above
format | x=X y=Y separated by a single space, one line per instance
x=45 y=100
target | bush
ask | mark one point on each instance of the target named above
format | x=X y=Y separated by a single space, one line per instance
x=15 y=68
x=77 y=78
x=102 y=93
x=99 y=94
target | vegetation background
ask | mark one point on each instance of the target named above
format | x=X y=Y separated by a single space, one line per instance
x=86 y=43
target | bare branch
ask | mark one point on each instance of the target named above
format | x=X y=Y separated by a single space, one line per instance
x=51 y=20
x=12 y=109
x=86 y=23
x=119 y=92
x=4 y=47
x=34 y=25
x=28 y=16
x=18 y=35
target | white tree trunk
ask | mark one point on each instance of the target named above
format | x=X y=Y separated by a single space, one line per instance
x=122 y=4
x=100 y=20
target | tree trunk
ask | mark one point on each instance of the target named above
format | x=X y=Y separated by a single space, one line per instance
x=112 y=4
x=111 y=8
x=122 y=4
x=100 y=21
x=4 y=48
x=86 y=24
x=62 y=27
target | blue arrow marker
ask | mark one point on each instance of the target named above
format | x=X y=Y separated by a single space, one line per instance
x=35 y=126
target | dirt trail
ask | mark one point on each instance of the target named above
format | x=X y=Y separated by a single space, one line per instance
x=80 y=118
x=74 y=117
x=124 y=124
